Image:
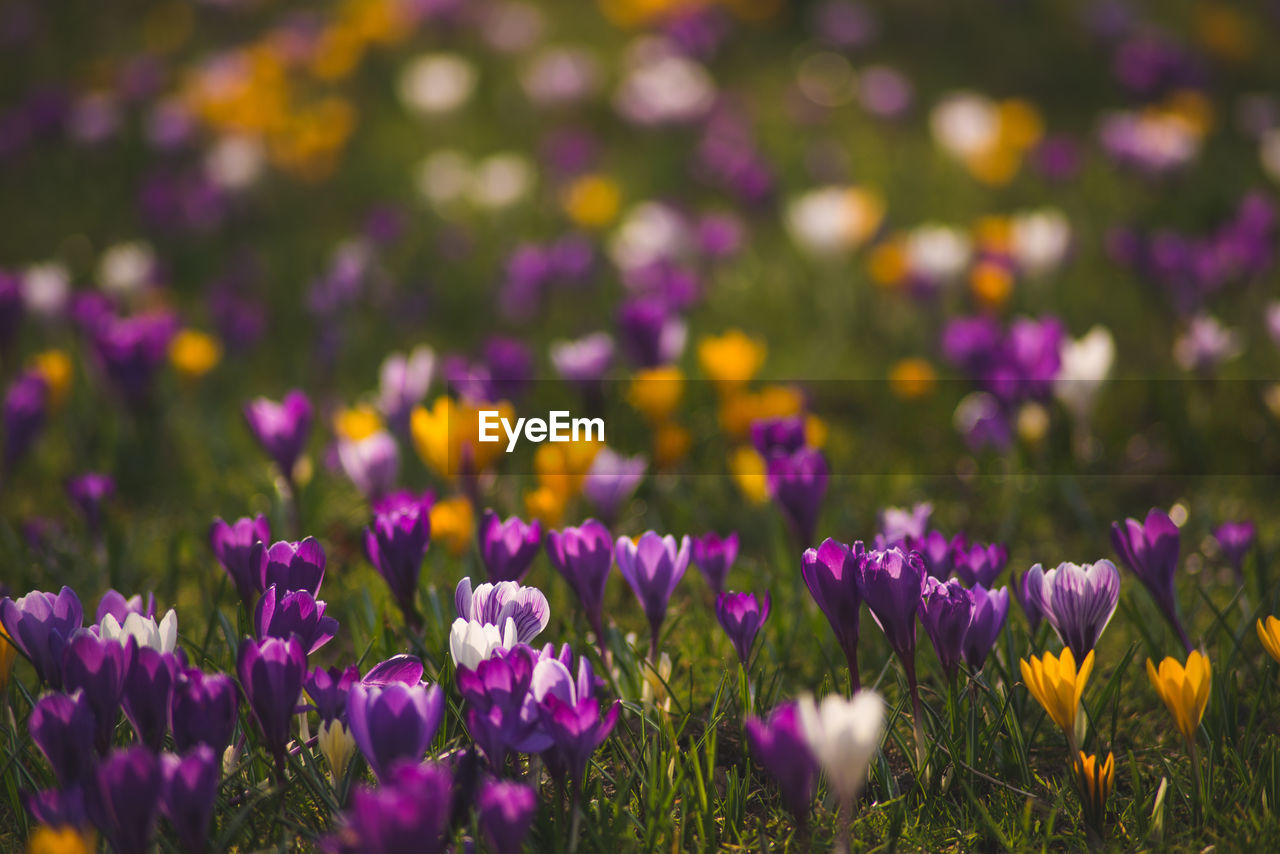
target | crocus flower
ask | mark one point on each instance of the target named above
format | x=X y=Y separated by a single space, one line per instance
x=88 y=492
x=405 y=669
x=1150 y=549
x=98 y=667
x=508 y=547
x=1095 y=780
x=945 y=610
x=493 y=604
x=649 y=333
x=653 y=567
x=583 y=361
x=298 y=613
x=395 y=721
x=61 y=725
x=1269 y=634
x=409 y=811
x=1029 y=602
x=1058 y=686
x=975 y=563
x=584 y=557
x=131 y=350
x=281 y=428
x=897 y=523
x=714 y=556
x=126 y=799
x=64 y=808
x=832 y=574
x=1185 y=690
x=294 y=566
x=611 y=480
x=741 y=615
x=328 y=690
x=403 y=383
x=271 y=673
x=891 y=581
x=1236 y=539
x=395 y=543
x=797 y=482
x=471 y=642
x=501 y=714
x=844 y=735
x=1077 y=600
x=148 y=690
x=241 y=548
x=203 y=709
x=25 y=405
x=114 y=603
x=372 y=463
x=784 y=435
x=190 y=790
x=779 y=744
x=505 y=810
x=990 y=608
x=162 y=636
x=39 y=625
x=570 y=715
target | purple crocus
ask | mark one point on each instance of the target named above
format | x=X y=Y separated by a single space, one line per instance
x=294 y=566
x=935 y=550
x=778 y=743
x=891 y=581
x=395 y=543
x=280 y=615
x=98 y=667
x=241 y=548
x=611 y=481
x=39 y=626
x=189 y=793
x=25 y=406
x=328 y=690
x=203 y=709
x=403 y=382
x=1150 y=550
x=271 y=672
x=1236 y=539
x=506 y=810
x=404 y=669
x=281 y=428
x=409 y=811
x=570 y=715
x=1077 y=600
x=975 y=563
x=784 y=435
x=990 y=608
x=1030 y=604
x=945 y=610
x=148 y=690
x=649 y=333
x=653 y=566
x=501 y=714
x=372 y=463
x=741 y=615
x=114 y=603
x=797 y=482
x=714 y=556
x=88 y=492
x=584 y=361
x=832 y=575
x=897 y=524
x=126 y=797
x=59 y=807
x=494 y=604
x=131 y=350
x=394 y=721
x=61 y=725
x=584 y=557
x=508 y=547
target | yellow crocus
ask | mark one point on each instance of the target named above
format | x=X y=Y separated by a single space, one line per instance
x=592 y=201
x=546 y=504
x=1095 y=780
x=8 y=652
x=453 y=523
x=194 y=353
x=1058 y=686
x=656 y=392
x=356 y=423
x=748 y=470
x=671 y=444
x=564 y=466
x=62 y=840
x=1269 y=634
x=912 y=378
x=447 y=436
x=991 y=284
x=1184 y=689
x=888 y=264
x=731 y=359
x=56 y=369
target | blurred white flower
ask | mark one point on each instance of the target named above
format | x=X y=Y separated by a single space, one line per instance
x=1206 y=344
x=501 y=180
x=162 y=637
x=444 y=177
x=826 y=78
x=235 y=162
x=559 y=76
x=1040 y=240
x=662 y=86
x=939 y=253
x=126 y=268
x=833 y=219
x=512 y=27
x=471 y=642
x=372 y=463
x=437 y=83
x=965 y=124
x=649 y=232
x=844 y=736
x=1086 y=364
x=46 y=289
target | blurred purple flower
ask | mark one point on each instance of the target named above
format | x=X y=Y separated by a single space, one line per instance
x=1236 y=539
x=131 y=350
x=281 y=428
x=26 y=404
x=126 y=797
x=975 y=563
x=203 y=709
x=611 y=480
x=241 y=548
x=61 y=725
x=189 y=794
x=742 y=615
x=403 y=383
x=88 y=492
x=395 y=543
x=1150 y=549
x=779 y=744
x=409 y=811
x=584 y=557
x=505 y=810
x=508 y=547
x=797 y=482
x=148 y=693
x=714 y=556
x=653 y=566
x=650 y=335
x=97 y=667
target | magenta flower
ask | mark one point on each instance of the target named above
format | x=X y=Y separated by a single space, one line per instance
x=394 y=721
x=584 y=557
x=506 y=810
x=88 y=492
x=126 y=799
x=271 y=673
x=241 y=548
x=298 y=613
x=741 y=615
x=148 y=692
x=395 y=543
x=189 y=793
x=797 y=482
x=990 y=608
x=832 y=574
x=653 y=567
x=945 y=610
x=294 y=566
x=714 y=556
x=98 y=667
x=281 y=428
x=779 y=744
x=61 y=725
x=502 y=716
x=26 y=404
x=114 y=603
x=203 y=710
x=570 y=715
x=1150 y=550
x=508 y=547
x=409 y=811
x=975 y=563
x=1236 y=539
x=40 y=625
x=891 y=582
x=611 y=481
x=1029 y=603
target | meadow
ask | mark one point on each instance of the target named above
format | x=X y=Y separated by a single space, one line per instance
x=937 y=351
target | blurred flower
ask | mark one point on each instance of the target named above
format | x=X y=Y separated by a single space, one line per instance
x=394 y=722
x=409 y=811
x=749 y=473
x=742 y=615
x=884 y=91
x=584 y=557
x=56 y=368
x=453 y=524
x=25 y=407
x=592 y=201
x=990 y=608
x=97 y=667
x=46 y=289
x=661 y=86
x=583 y=361
x=130 y=350
x=844 y=736
x=508 y=547
x=241 y=548
x=1150 y=550
x=8 y=652
x=1058 y=686
x=1236 y=539
x=203 y=709
x=1039 y=240
x=437 y=83
x=62 y=726
x=501 y=180
x=561 y=76
x=714 y=556
x=653 y=566
x=611 y=480
x=372 y=463
x=403 y=382
x=271 y=674
x=194 y=353
x=911 y=379
x=396 y=542
x=833 y=219
x=650 y=334
x=127 y=798
x=505 y=810
x=797 y=483
x=1154 y=141
x=656 y=392
x=281 y=428
x=1086 y=363
x=1078 y=600
x=731 y=359
x=88 y=492
x=1185 y=690
x=1269 y=634
x=189 y=794
x=1206 y=344
x=976 y=563
x=447 y=436
x=63 y=839
x=779 y=744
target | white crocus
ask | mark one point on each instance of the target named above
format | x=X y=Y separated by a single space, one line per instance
x=1040 y=240
x=471 y=642
x=844 y=734
x=437 y=83
x=125 y=268
x=833 y=219
x=1086 y=363
x=162 y=637
x=938 y=253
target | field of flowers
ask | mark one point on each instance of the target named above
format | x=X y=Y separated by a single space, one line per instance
x=936 y=350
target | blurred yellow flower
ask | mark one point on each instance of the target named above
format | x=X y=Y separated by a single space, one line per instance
x=1095 y=780
x=546 y=504
x=1193 y=108
x=656 y=392
x=63 y=840
x=1223 y=31
x=738 y=411
x=453 y=523
x=338 y=53
x=1269 y=634
x=671 y=444
x=731 y=359
x=194 y=353
x=887 y=264
x=592 y=201
x=1021 y=125
x=356 y=423
x=1032 y=423
x=815 y=432
x=564 y=465
x=994 y=234
x=447 y=436
x=996 y=165
x=748 y=470
x=1185 y=690
x=1058 y=686
x=56 y=368
x=8 y=652
x=991 y=284
x=912 y=378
